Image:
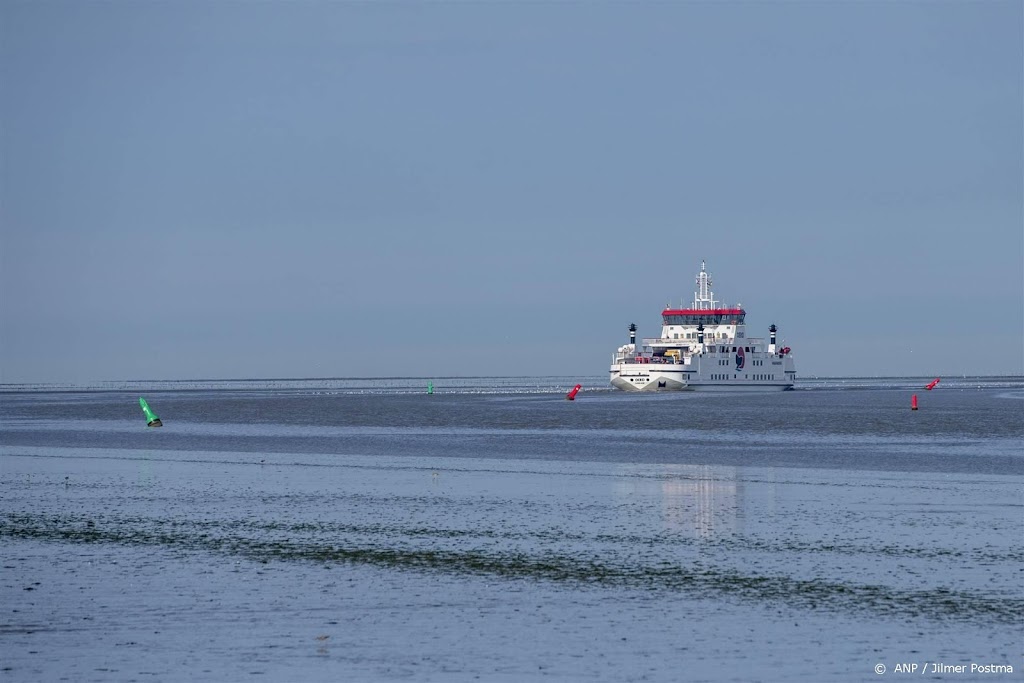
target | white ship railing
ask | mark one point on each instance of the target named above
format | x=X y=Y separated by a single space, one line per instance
x=708 y=340
x=646 y=360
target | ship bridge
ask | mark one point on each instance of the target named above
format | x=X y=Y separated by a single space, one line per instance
x=707 y=316
x=705 y=309
x=704 y=320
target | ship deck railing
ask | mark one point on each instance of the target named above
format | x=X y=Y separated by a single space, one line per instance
x=708 y=341
x=647 y=360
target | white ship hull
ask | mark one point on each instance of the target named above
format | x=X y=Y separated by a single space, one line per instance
x=656 y=383
x=634 y=378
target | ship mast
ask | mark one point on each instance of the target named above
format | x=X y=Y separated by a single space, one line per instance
x=704 y=298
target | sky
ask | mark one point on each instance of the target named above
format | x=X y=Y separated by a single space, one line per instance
x=205 y=190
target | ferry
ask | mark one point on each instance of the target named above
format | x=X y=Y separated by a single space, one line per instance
x=703 y=348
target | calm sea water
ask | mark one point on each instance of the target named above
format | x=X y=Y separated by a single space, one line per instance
x=361 y=529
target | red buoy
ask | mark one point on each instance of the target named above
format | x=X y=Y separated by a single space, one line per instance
x=572 y=394
x=913 y=402
x=931 y=385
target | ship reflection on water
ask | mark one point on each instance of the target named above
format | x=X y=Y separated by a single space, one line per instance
x=696 y=501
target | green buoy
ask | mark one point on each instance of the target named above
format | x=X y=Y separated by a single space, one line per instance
x=430 y=387
x=151 y=419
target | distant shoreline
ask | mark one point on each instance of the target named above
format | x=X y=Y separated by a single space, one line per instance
x=520 y=383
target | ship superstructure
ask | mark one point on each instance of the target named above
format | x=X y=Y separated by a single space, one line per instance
x=703 y=347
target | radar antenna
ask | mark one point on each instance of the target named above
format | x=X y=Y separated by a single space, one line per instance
x=704 y=298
